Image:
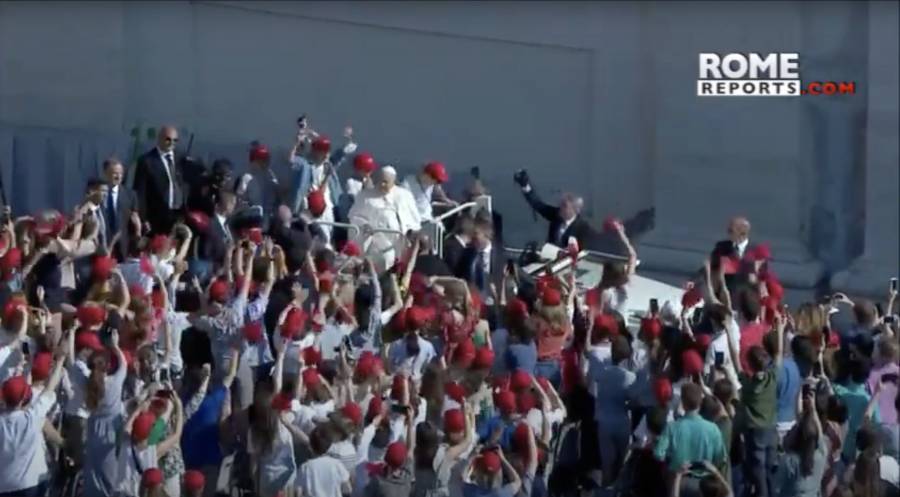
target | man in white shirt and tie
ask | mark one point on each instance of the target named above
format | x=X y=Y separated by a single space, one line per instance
x=157 y=183
x=116 y=206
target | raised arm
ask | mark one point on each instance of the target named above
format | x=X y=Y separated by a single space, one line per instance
x=174 y=439
x=515 y=483
x=735 y=360
x=632 y=254
x=548 y=212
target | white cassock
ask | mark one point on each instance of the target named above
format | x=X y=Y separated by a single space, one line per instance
x=396 y=211
x=421 y=194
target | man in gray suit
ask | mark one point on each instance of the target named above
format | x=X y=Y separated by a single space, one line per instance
x=118 y=204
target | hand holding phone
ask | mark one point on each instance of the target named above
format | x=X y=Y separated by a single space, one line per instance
x=893 y=285
x=654 y=307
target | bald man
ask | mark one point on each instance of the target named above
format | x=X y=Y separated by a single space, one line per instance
x=158 y=183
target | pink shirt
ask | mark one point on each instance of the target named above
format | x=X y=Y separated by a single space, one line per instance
x=550 y=341
x=887 y=394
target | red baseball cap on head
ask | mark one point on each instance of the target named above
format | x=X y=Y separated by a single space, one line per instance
x=351 y=249
x=489 y=462
x=41 y=366
x=505 y=401
x=454 y=421
x=691 y=297
x=551 y=297
x=662 y=390
x=218 y=291
x=376 y=405
x=255 y=235
x=310 y=377
x=321 y=144
x=437 y=171
x=651 y=328
x=12 y=259
x=159 y=243
x=253 y=332
x=516 y=309
x=455 y=391
x=606 y=323
x=311 y=356
x=87 y=340
x=398 y=386
x=525 y=402
x=417 y=318
x=315 y=201
x=484 y=358
x=194 y=481
x=142 y=426
x=396 y=454
x=365 y=365
x=198 y=220
x=259 y=152
x=102 y=267
x=364 y=162
x=520 y=380
x=703 y=340
x=691 y=362
x=398 y=321
x=464 y=354
x=11 y=309
x=91 y=315
x=151 y=478
x=520 y=437
x=293 y=323
x=281 y=401
x=353 y=412
x=16 y=390
x=761 y=252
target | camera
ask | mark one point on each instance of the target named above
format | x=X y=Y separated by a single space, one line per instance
x=521 y=177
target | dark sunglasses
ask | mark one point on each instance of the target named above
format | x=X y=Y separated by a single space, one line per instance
x=173 y=140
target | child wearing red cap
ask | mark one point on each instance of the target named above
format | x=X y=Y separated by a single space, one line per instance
x=137 y=456
x=394 y=476
x=451 y=457
x=554 y=329
x=484 y=477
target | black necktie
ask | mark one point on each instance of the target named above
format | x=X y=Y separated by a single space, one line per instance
x=111 y=211
x=479 y=270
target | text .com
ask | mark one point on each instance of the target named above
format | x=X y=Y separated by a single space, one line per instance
x=760 y=75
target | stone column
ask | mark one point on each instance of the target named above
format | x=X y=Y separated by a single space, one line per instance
x=869 y=274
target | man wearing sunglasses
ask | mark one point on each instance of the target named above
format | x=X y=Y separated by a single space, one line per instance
x=157 y=183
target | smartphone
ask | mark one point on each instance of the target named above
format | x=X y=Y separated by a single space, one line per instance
x=26 y=350
x=398 y=408
x=720 y=359
x=889 y=378
x=893 y=284
x=654 y=306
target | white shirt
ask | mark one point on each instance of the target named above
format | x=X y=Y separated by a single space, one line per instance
x=114 y=191
x=129 y=473
x=486 y=260
x=353 y=186
x=421 y=194
x=77 y=375
x=167 y=158
x=741 y=247
x=412 y=365
x=322 y=477
x=223 y=222
x=719 y=345
x=10 y=356
x=22 y=448
x=292 y=352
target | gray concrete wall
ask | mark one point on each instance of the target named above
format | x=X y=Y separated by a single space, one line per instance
x=592 y=97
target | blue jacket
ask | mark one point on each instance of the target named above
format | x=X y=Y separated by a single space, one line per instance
x=303 y=179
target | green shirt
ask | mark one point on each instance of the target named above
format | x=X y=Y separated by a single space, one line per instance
x=759 y=396
x=688 y=440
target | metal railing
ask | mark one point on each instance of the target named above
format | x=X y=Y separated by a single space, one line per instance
x=351 y=227
x=436 y=228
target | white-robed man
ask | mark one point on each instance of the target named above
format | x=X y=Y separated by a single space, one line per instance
x=426 y=188
x=385 y=207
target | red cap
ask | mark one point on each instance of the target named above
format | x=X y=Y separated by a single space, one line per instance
x=396 y=454
x=437 y=171
x=525 y=402
x=761 y=252
x=310 y=377
x=218 y=291
x=321 y=144
x=146 y=265
x=259 y=152
x=159 y=243
x=315 y=201
x=365 y=365
x=455 y=391
x=12 y=259
x=364 y=163
x=417 y=318
x=281 y=401
x=351 y=249
x=691 y=297
x=151 y=478
x=398 y=386
x=49 y=223
x=87 y=340
x=489 y=462
x=194 y=481
x=551 y=297
x=16 y=390
x=137 y=290
x=520 y=437
x=662 y=390
x=520 y=380
x=255 y=235
x=454 y=421
x=376 y=405
x=610 y=223
x=91 y=315
x=606 y=325
x=691 y=362
x=505 y=401
x=253 y=332
x=703 y=340
x=353 y=412
x=774 y=288
x=142 y=426
x=41 y=366
x=198 y=220
x=102 y=267
x=11 y=309
x=398 y=321
x=484 y=358
x=464 y=354
x=651 y=328
x=311 y=356
x=294 y=323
